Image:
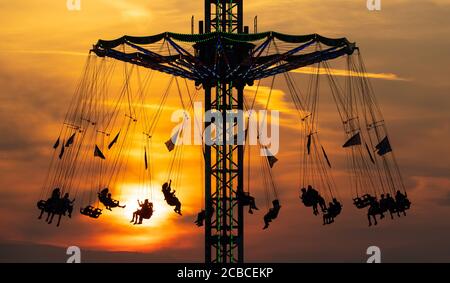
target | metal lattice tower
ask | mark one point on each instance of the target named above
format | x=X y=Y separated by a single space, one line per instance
x=224 y=174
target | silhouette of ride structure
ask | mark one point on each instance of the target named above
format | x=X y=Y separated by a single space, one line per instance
x=105 y=150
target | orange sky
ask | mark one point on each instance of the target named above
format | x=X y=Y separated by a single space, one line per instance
x=405 y=46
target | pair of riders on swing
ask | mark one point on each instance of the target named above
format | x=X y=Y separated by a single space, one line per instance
x=104 y=196
x=311 y=197
x=144 y=212
x=56 y=205
x=146 y=208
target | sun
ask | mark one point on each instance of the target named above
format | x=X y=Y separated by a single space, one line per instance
x=131 y=193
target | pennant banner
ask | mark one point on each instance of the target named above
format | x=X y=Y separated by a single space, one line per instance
x=326 y=157
x=383 y=147
x=355 y=140
x=145 y=159
x=62 y=152
x=308 y=144
x=55 y=146
x=98 y=153
x=70 y=140
x=114 y=140
x=370 y=154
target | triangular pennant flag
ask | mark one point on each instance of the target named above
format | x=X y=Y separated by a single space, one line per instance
x=370 y=154
x=308 y=144
x=98 y=153
x=145 y=158
x=114 y=140
x=272 y=160
x=326 y=157
x=383 y=147
x=70 y=140
x=55 y=146
x=270 y=157
x=355 y=140
x=62 y=151
x=170 y=144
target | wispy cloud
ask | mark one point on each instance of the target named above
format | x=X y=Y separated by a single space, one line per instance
x=348 y=73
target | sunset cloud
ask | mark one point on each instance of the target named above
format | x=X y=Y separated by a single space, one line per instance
x=348 y=73
x=42 y=54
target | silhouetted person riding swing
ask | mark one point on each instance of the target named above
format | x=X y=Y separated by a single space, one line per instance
x=391 y=205
x=334 y=209
x=50 y=204
x=68 y=204
x=105 y=197
x=402 y=202
x=384 y=206
x=311 y=197
x=145 y=212
x=60 y=208
x=272 y=213
x=170 y=197
x=374 y=210
x=246 y=199
x=201 y=216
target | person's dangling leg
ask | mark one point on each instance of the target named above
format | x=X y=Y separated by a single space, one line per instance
x=51 y=218
x=315 y=210
x=59 y=220
x=178 y=208
x=70 y=210
x=42 y=213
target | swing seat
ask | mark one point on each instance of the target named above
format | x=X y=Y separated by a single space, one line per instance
x=363 y=201
x=107 y=201
x=201 y=216
x=244 y=198
x=42 y=204
x=96 y=213
x=406 y=204
x=91 y=212
x=85 y=211
x=308 y=202
x=49 y=205
x=146 y=214
x=402 y=206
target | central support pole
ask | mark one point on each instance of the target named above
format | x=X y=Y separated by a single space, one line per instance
x=224 y=161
